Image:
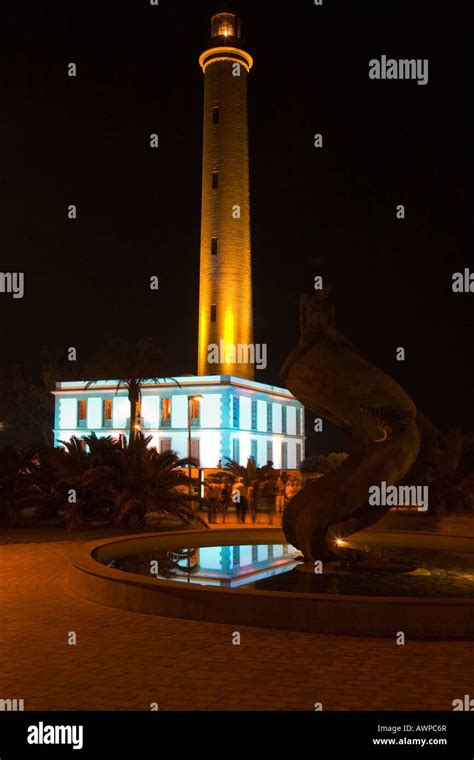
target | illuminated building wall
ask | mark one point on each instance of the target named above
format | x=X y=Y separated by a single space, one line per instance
x=235 y=418
x=225 y=297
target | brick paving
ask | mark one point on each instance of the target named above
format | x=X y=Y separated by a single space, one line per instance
x=126 y=661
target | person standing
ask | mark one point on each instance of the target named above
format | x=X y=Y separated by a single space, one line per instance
x=239 y=496
x=211 y=499
x=253 y=500
x=236 y=498
x=225 y=496
x=244 y=500
x=280 y=495
x=290 y=490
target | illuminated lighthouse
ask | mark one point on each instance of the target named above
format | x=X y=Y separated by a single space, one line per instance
x=225 y=295
x=223 y=412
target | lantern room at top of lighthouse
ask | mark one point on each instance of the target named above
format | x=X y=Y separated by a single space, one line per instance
x=225 y=45
x=225 y=26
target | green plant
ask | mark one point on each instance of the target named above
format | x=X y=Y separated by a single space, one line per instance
x=131 y=365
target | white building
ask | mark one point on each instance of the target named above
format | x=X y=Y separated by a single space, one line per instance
x=236 y=418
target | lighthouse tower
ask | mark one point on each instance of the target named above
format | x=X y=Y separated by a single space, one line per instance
x=225 y=289
x=223 y=412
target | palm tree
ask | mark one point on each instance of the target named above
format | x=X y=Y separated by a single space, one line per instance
x=16 y=467
x=28 y=405
x=132 y=365
x=103 y=450
x=87 y=474
x=29 y=478
x=250 y=473
x=144 y=481
x=115 y=481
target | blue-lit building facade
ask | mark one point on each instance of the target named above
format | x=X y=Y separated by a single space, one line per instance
x=235 y=418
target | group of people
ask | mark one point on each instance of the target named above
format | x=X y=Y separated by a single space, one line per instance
x=245 y=498
x=285 y=489
x=219 y=496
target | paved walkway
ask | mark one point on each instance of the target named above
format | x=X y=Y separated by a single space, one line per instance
x=125 y=661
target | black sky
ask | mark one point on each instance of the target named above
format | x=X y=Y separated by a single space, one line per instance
x=86 y=141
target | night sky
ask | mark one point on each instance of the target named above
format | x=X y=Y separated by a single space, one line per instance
x=331 y=211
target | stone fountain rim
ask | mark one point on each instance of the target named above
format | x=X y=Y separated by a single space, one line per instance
x=82 y=560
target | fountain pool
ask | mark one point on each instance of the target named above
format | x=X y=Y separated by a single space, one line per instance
x=252 y=576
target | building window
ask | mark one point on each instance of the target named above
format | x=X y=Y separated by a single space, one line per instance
x=284 y=456
x=283 y=419
x=195 y=453
x=214 y=246
x=269 y=451
x=269 y=417
x=235 y=412
x=107 y=409
x=215 y=180
x=254 y=449
x=298 y=454
x=215 y=115
x=254 y=415
x=107 y=412
x=298 y=422
x=165 y=445
x=82 y=413
x=213 y=312
x=165 y=412
x=236 y=450
x=195 y=408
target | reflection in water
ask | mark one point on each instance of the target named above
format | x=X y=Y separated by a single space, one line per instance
x=437 y=574
x=213 y=565
x=266 y=567
x=169 y=565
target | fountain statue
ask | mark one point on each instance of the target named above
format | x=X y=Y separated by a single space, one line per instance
x=391 y=441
